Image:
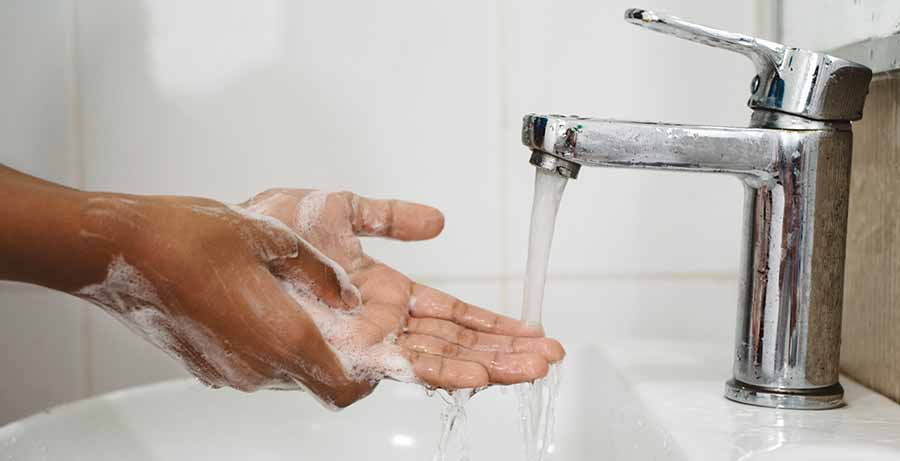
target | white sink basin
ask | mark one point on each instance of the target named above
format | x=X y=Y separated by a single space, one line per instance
x=636 y=400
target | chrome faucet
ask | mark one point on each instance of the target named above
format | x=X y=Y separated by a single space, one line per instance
x=794 y=160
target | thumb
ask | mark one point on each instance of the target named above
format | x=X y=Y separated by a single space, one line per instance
x=294 y=260
x=314 y=273
x=395 y=219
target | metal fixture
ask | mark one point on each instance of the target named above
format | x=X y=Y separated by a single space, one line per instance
x=794 y=160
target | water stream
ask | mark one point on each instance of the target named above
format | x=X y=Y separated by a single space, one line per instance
x=453 y=446
x=536 y=400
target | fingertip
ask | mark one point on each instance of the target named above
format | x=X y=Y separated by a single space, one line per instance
x=538 y=368
x=414 y=221
x=470 y=376
x=447 y=373
x=435 y=223
x=554 y=350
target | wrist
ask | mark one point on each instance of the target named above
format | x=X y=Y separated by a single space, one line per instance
x=43 y=235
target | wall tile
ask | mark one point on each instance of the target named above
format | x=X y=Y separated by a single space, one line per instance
x=577 y=310
x=390 y=99
x=42 y=350
x=837 y=23
x=37 y=125
x=580 y=57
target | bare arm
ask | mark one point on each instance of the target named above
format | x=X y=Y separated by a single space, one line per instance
x=39 y=237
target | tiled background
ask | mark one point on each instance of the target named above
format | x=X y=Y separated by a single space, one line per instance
x=420 y=100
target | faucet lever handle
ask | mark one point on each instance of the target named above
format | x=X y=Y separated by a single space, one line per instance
x=764 y=54
x=800 y=82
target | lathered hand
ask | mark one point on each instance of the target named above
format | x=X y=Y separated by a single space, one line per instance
x=449 y=343
x=275 y=293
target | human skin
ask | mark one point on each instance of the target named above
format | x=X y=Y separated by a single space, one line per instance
x=235 y=292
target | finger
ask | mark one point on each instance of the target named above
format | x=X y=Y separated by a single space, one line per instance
x=313 y=273
x=395 y=219
x=270 y=238
x=502 y=368
x=548 y=348
x=428 y=302
x=293 y=258
x=446 y=373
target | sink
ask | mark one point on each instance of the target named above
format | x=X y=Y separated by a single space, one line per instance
x=628 y=399
x=182 y=420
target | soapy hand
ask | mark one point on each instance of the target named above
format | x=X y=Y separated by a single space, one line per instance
x=438 y=339
x=277 y=294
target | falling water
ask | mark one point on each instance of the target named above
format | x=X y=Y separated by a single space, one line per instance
x=537 y=406
x=548 y=191
x=537 y=400
x=452 y=445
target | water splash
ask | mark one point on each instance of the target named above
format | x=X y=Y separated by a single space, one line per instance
x=536 y=400
x=537 y=412
x=453 y=445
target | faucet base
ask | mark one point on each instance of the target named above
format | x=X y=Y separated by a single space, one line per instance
x=808 y=399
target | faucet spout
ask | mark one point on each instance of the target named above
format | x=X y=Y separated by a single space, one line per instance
x=613 y=143
x=796 y=174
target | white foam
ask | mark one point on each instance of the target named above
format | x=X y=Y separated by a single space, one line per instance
x=132 y=300
x=269 y=203
x=360 y=363
x=231 y=367
x=309 y=210
x=343 y=278
x=281 y=242
x=123 y=288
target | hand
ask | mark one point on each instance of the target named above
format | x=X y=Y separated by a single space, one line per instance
x=195 y=278
x=449 y=343
x=277 y=293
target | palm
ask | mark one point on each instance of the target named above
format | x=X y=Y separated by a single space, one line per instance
x=449 y=343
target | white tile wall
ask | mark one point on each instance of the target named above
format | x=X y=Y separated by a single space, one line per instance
x=580 y=57
x=578 y=309
x=354 y=95
x=828 y=24
x=37 y=108
x=405 y=99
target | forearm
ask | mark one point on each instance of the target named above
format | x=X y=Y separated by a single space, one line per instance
x=41 y=239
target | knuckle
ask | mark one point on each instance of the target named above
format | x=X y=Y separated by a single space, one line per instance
x=459 y=310
x=450 y=350
x=466 y=338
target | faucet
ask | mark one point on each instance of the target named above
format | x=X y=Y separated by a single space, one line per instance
x=794 y=162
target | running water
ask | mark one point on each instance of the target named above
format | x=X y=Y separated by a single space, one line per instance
x=537 y=400
x=537 y=407
x=548 y=191
x=452 y=445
